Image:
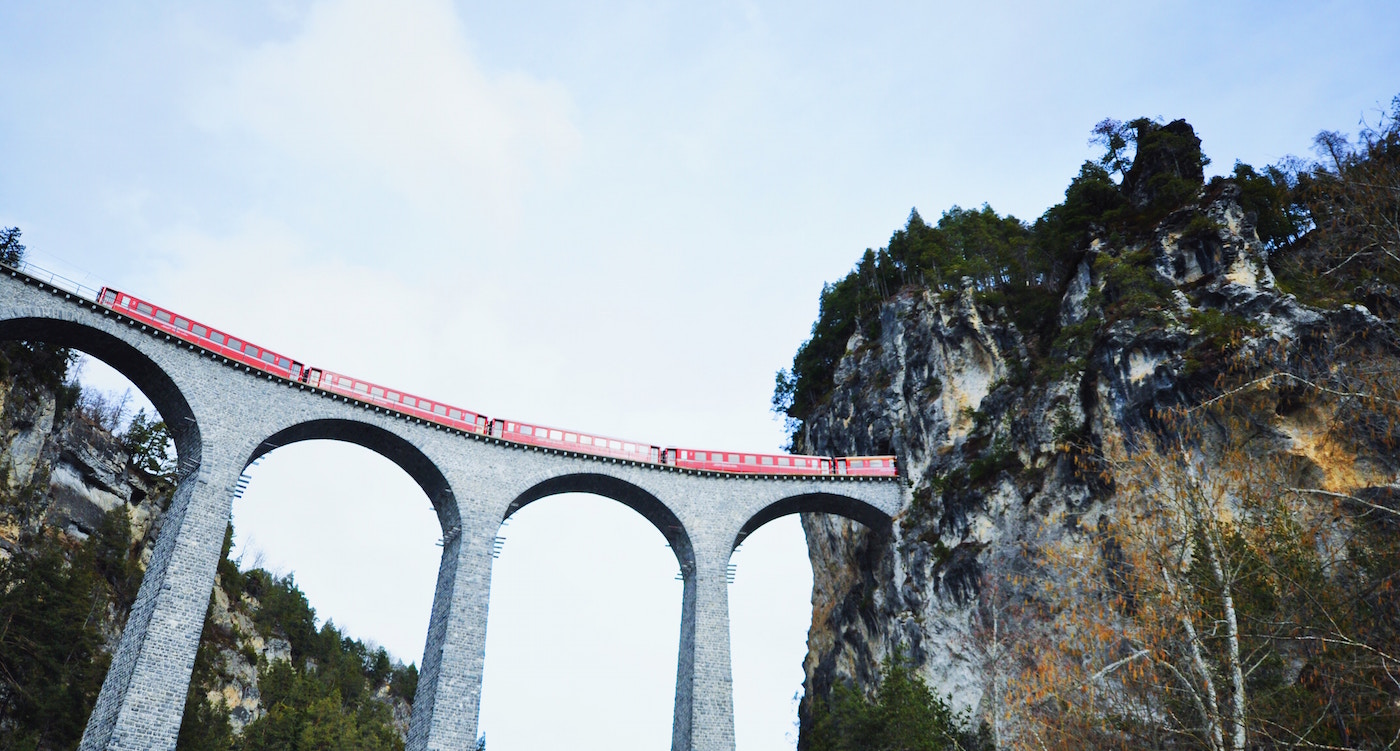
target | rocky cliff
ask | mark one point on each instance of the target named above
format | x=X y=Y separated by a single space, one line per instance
x=996 y=416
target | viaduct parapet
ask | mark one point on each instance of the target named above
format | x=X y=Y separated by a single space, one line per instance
x=224 y=416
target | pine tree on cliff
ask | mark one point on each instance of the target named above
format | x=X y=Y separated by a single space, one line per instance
x=11 y=252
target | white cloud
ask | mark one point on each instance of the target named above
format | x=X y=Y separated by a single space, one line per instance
x=392 y=94
x=265 y=281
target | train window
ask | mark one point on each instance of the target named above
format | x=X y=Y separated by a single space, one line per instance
x=393 y=396
x=268 y=357
x=216 y=337
x=408 y=400
x=556 y=435
x=629 y=448
x=363 y=388
x=614 y=445
x=439 y=409
x=783 y=461
x=571 y=438
x=876 y=463
x=748 y=459
x=376 y=391
x=251 y=349
x=698 y=456
x=182 y=323
x=234 y=343
x=733 y=459
x=161 y=315
x=109 y=297
x=586 y=440
x=526 y=430
x=199 y=330
x=857 y=463
x=144 y=308
x=455 y=414
x=766 y=460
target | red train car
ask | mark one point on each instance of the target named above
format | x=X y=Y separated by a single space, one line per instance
x=572 y=440
x=197 y=333
x=866 y=466
x=746 y=461
x=409 y=404
x=250 y=354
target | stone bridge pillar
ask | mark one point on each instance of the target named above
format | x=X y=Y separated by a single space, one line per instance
x=704 y=716
x=143 y=697
x=447 y=707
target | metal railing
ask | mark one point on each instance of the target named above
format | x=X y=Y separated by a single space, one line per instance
x=55 y=280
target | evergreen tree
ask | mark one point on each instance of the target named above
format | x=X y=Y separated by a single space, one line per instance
x=904 y=715
x=51 y=661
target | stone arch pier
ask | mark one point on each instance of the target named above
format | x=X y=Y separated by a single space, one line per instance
x=225 y=415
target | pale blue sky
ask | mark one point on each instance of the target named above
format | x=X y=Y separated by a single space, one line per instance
x=612 y=216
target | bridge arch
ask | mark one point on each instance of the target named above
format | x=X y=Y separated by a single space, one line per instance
x=397 y=449
x=143 y=372
x=850 y=507
x=628 y=494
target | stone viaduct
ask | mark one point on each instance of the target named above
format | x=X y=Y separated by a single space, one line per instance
x=224 y=416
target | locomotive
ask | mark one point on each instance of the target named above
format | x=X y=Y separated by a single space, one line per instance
x=252 y=355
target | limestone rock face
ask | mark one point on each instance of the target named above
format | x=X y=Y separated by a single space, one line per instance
x=918 y=392
x=980 y=441
x=29 y=431
x=69 y=472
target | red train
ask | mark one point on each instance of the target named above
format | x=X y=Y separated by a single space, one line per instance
x=252 y=355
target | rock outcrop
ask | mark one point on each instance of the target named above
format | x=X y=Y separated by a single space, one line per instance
x=983 y=442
